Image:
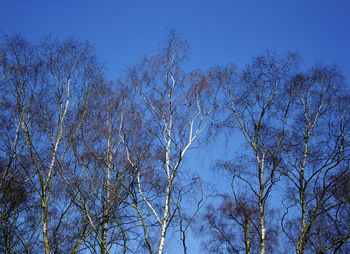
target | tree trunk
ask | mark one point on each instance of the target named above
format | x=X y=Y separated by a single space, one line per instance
x=106 y=199
x=300 y=248
x=261 y=204
x=165 y=218
x=44 y=224
x=247 y=236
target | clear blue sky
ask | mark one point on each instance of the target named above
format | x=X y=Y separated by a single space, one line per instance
x=219 y=31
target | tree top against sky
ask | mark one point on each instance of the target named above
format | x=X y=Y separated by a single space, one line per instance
x=155 y=112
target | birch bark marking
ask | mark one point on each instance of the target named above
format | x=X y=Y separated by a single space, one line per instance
x=105 y=217
x=261 y=203
x=169 y=171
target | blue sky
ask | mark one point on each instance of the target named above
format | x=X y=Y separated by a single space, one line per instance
x=219 y=32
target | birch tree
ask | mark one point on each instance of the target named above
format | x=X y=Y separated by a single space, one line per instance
x=99 y=186
x=48 y=83
x=173 y=111
x=15 y=193
x=258 y=111
x=232 y=226
x=316 y=161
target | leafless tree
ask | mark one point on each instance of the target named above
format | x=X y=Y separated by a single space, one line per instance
x=232 y=227
x=102 y=177
x=101 y=166
x=172 y=110
x=48 y=83
x=258 y=111
x=316 y=161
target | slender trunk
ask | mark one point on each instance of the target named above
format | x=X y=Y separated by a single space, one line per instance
x=261 y=204
x=165 y=218
x=170 y=175
x=145 y=231
x=300 y=248
x=44 y=225
x=247 y=236
x=105 y=222
x=105 y=219
x=79 y=243
x=46 y=189
x=182 y=231
x=6 y=234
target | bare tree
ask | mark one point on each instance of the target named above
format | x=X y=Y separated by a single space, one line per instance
x=257 y=109
x=232 y=227
x=15 y=193
x=316 y=160
x=102 y=177
x=173 y=110
x=48 y=83
x=18 y=220
x=101 y=166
